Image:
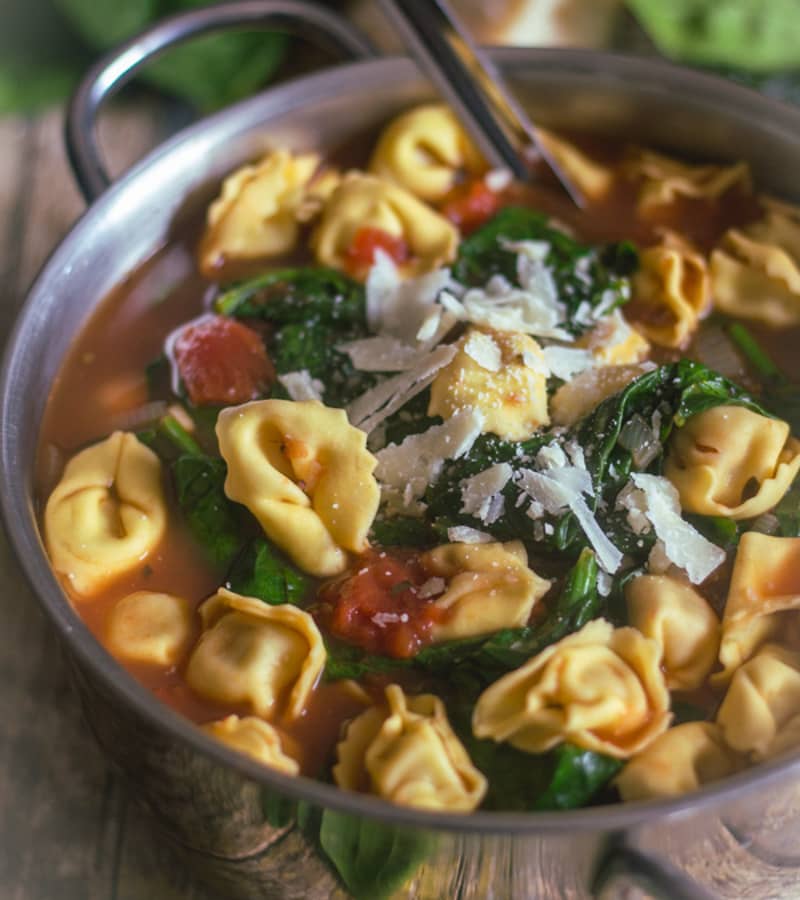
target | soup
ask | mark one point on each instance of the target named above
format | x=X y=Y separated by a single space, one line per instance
x=431 y=484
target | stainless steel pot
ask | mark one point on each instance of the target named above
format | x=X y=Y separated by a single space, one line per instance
x=255 y=833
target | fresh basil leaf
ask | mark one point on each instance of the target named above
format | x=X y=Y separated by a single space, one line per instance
x=373 y=860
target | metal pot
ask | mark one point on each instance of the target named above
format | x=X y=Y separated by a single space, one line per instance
x=255 y=833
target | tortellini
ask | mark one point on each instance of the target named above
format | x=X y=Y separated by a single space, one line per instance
x=730 y=461
x=489 y=587
x=664 y=180
x=681 y=621
x=149 y=627
x=681 y=760
x=501 y=374
x=578 y=397
x=255 y=654
x=765 y=585
x=613 y=342
x=671 y=291
x=305 y=474
x=254 y=216
x=426 y=151
x=255 y=738
x=761 y=709
x=600 y=688
x=106 y=514
x=592 y=179
x=366 y=201
x=755 y=271
x=408 y=754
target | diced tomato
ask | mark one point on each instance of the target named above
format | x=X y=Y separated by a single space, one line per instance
x=222 y=361
x=471 y=204
x=378 y=607
x=366 y=241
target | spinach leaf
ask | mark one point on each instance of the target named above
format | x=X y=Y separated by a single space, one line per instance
x=264 y=572
x=373 y=860
x=584 y=276
x=578 y=775
x=788 y=512
x=402 y=531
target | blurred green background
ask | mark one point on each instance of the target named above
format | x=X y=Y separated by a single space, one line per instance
x=46 y=44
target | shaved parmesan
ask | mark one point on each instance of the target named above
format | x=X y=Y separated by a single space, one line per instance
x=371 y=408
x=405 y=470
x=381 y=353
x=463 y=534
x=566 y=362
x=301 y=386
x=431 y=587
x=483 y=349
x=396 y=306
x=683 y=545
x=481 y=494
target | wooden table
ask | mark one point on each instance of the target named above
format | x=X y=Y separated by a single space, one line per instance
x=68 y=830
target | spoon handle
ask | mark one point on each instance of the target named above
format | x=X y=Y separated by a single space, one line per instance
x=469 y=81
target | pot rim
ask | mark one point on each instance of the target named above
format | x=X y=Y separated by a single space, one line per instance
x=20 y=519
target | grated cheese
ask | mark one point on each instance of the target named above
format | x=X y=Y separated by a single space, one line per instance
x=683 y=545
x=463 y=534
x=301 y=386
x=481 y=494
x=381 y=353
x=566 y=362
x=483 y=349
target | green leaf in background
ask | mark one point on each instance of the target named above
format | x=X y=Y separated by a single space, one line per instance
x=32 y=86
x=372 y=859
x=102 y=23
x=754 y=35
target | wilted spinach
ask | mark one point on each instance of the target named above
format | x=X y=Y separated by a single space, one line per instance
x=264 y=572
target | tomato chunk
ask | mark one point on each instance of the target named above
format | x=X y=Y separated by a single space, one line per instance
x=471 y=204
x=378 y=606
x=366 y=241
x=222 y=361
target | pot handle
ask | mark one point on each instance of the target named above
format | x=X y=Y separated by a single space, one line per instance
x=109 y=74
x=623 y=866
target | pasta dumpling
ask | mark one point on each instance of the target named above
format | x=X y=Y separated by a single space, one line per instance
x=613 y=342
x=305 y=474
x=765 y=585
x=579 y=396
x=761 y=709
x=681 y=760
x=501 y=374
x=366 y=201
x=106 y=514
x=489 y=587
x=671 y=291
x=755 y=271
x=681 y=621
x=256 y=738
x=426 y=151
x=593 y=179
x=730 y=461
x=600 y=688
x=254 y=215
x=406 y=752
x=664 y=180
x=256 y=654
x=149 y=627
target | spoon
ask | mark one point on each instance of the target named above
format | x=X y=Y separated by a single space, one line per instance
x=469 y=81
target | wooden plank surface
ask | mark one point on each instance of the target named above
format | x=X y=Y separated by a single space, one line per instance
x=67 y=827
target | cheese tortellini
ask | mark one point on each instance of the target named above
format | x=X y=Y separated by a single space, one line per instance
x=501 y=374
x=149 y=627
x=406 y=752
x=755 y=271
x=305 y=474
x=681 y=621
x=426 y=151
x=671 y=291
x=765 y=586
x=255 y=654
x=106 y=514
x=254 y=216
x=600 y=688
x=489 y=587
x=681 y=760
x=613 y=342
x=593 y=179
x=760 y=714
x=665 y=180
x=255 y=738
x=730 y=461
x=579 y=396
x=366 y=201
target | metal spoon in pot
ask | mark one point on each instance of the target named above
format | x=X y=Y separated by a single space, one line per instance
x=474 y=88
